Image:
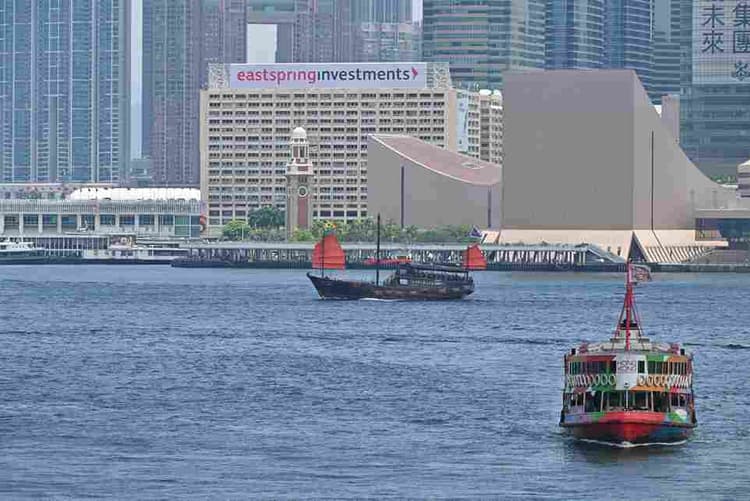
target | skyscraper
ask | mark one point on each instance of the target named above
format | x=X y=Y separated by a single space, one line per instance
x=481 y=39
x=669 y=39
x=64 y=90
x=382 y=42
x=381 y=11
x=325 y=30
x=574 y=34
x=180 y=38
x=628 y=39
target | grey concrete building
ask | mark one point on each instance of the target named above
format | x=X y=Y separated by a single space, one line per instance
x=415 y=183
x=588 y=159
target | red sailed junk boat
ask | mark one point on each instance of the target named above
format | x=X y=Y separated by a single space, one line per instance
x=409 y=282
x=629 y=390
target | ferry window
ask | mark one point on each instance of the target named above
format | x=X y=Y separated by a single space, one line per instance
x=641 y=366
x=593 y=402
x=677 y=400
x=661 y=402
x=613 y=365
x=615 y=399
x=640 y=400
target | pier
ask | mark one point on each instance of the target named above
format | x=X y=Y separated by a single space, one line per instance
x=299 y=255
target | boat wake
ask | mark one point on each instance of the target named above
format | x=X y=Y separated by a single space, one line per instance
x=629 y=445
x=380 y=300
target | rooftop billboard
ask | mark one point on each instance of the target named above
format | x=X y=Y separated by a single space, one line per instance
x=721 y=42
x=328 y=76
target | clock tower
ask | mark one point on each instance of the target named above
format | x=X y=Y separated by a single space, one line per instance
x=299 y=174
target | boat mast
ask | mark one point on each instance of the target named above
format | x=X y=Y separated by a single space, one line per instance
x=323 y=254
x=377 y=255
x=628 y=305
x=628 y=314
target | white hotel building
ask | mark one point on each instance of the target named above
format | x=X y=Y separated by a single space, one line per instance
x=246 y=128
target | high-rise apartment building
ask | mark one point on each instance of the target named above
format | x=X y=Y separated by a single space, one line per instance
x=64 y=91
x=180 y=38
x=481 y=39
x=575 y=34
x=224 y=33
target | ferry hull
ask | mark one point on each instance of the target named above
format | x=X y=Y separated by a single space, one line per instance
x=330 y=288
x=634 y=428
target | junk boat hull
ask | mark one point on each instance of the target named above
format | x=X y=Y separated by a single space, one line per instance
x=332 y=288
x=411 y=281
x=629 y=427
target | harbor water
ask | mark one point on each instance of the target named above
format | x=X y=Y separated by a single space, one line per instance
x=157 y=382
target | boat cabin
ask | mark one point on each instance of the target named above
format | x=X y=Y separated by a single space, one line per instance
x=414 y=275
x=621 y=400
x=656 y=381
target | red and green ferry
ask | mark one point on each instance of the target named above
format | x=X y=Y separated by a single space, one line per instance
x=629 y=390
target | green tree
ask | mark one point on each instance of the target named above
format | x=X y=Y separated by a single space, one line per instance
x=390 y=231
x=361 y=230
x=267 y=217
x=411 y=233
x=303 y=236
x=236 y=229
x=317 y=229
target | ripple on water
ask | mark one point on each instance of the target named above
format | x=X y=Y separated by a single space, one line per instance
x=161 y=382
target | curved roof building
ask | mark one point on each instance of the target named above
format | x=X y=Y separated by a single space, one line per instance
x=413 y=182
x=588 y=160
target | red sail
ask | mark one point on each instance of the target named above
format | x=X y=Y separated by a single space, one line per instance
x=474 y=259
x=328 y=254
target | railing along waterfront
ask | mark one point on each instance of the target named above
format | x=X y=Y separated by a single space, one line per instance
x=300 y=254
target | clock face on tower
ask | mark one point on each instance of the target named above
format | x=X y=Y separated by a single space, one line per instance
x=302 y=191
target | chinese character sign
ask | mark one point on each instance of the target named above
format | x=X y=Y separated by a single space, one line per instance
x=721 y=41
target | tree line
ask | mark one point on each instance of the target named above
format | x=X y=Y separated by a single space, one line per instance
x=267 y=224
